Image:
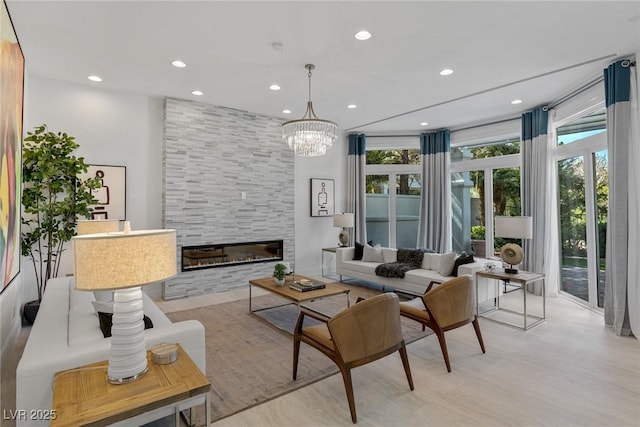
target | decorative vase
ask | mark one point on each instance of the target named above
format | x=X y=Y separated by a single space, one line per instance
x=30 y=310
x=279 y=282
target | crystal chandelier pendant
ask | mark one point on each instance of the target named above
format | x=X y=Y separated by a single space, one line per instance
x=309 y=136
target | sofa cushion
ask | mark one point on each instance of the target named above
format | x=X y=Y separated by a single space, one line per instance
x=446 y=263
x=360 y=266
x=389 y=255
x=461 y=260
x=372 y=254
x=102 y=306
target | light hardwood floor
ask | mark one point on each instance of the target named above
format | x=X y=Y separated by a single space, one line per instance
x=568 y=371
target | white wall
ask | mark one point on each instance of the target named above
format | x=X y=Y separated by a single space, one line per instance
x=315 y=233
x=112 y=128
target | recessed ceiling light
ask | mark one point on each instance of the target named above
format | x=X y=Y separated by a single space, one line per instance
x=352 y=106
x=516 y=101
x=178 y=64
x=286 y=111
x=446 y=72
x=197 y=92
x=363 y=35
x=95 y=78
x=274 y=87
x=424 y=124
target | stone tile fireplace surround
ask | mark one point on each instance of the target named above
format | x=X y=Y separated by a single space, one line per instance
x=227 y=177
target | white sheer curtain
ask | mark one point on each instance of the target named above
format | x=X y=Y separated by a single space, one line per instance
x=621 y=300
x=356 y=186
x=539 y=198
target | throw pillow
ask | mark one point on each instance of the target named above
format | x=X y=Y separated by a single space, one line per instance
x=446 y=263
x=372 y=254
x=411 y=256
x=358 y=251
x=106 y=321
x=462 y=259
x=426 y=261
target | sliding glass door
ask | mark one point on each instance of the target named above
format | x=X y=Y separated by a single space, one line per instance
x=582 y=202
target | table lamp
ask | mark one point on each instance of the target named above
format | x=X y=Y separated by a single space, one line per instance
x=343 y=220
x=515 y=227
x=124 y=262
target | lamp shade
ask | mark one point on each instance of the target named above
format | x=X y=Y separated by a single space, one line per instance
x=86 y=226
x=344 y=220
x=515 y=227
x=122 y=260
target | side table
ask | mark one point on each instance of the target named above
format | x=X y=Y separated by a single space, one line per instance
x=329 y=265
x=83 y=397
x=523 y=278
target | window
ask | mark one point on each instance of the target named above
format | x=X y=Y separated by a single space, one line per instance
x=485 y=182
x=393 y=189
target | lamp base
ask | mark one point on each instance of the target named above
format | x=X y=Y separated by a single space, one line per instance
x=511 y=270
x=128 y=354
x=127 y=379
x=343 y=238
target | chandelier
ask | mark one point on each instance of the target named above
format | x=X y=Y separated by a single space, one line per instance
x=309 y=136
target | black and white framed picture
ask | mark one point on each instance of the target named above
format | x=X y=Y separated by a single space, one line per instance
x=111 y=195
x=322 y=197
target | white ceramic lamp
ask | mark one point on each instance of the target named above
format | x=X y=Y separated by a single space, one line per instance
x=344 y=221
x=514 y=227
x=125 y=261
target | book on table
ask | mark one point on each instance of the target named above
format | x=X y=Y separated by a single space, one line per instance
x=306 y=285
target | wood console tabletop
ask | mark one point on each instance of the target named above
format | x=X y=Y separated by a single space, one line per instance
x=83 y=396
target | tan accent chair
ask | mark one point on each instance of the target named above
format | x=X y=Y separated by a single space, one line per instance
x=448 y=306
x=365 y=332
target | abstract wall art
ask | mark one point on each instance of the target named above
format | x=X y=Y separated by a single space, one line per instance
x=11 y=102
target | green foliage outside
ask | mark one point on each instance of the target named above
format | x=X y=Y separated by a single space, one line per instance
x=53 y=198
x=408 y=184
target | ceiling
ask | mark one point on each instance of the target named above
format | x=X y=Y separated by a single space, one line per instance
x=532 y=50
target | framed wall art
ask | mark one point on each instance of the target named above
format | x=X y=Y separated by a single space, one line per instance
x=322 y=197
x=111 y=195
x=11 y=103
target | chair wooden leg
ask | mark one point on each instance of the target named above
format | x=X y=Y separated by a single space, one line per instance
x=348 y=385
x=405 y=363
x=443 y=346
x=296 y=354
x=476 y=326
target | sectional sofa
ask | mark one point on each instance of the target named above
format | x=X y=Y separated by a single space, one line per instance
x=434 y=266
x=66 y=334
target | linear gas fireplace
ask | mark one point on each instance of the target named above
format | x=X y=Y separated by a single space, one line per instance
x=226 y=254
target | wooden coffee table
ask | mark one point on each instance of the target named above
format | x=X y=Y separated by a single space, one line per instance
x=293 y=296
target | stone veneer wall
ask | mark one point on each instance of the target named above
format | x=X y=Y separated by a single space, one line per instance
x=211 y=155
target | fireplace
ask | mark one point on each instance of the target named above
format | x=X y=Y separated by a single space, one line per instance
x=227 y=254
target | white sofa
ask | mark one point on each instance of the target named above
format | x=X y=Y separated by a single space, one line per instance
x=415 y=281
x=66 y=334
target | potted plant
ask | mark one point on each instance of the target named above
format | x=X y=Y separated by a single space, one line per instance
x=478 y=241
x=53 y=198
x=279 y=272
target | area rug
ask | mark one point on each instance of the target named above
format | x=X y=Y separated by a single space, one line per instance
x=249 y=360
